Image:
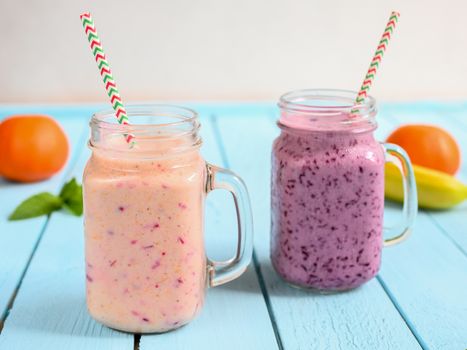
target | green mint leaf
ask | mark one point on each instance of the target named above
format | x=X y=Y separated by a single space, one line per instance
x=69 y=189
x=40 y=204
x=72 y=196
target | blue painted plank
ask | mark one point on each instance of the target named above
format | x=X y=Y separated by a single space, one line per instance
x=425 y=275
x=362 y=319
x=49 y=311
x=426 y=278
x=235 y=314
x=18 y=239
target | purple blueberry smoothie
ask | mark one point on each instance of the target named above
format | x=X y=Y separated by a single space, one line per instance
x=327 y=205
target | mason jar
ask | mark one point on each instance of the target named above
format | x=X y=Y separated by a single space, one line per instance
x=328 y=191
x=146 y=266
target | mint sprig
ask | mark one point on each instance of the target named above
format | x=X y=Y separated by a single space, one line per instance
x=70 y=197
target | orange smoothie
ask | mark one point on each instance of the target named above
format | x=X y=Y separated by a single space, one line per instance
x=145 y=257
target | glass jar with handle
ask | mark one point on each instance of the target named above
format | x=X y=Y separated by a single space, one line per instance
x=146 y=266
x=328 y=191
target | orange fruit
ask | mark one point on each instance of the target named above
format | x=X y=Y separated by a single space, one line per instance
x=32 y=147
x=429 y=146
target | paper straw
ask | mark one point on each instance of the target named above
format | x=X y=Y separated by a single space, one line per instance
x=375 y=62
x=106 y=73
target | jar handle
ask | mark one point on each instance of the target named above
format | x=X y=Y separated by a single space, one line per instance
x=397 y=156
x=220 y=272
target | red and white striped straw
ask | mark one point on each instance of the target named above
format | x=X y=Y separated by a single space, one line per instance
x=375 y=62
x=104 y=69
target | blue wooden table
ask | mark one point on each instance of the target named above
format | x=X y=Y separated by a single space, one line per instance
x=419 y=299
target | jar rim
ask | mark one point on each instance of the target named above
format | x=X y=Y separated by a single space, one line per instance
x=153 y=126
x=326 y=110
x=292 y=100
x=184 y=114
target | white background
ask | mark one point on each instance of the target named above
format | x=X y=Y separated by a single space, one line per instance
x=230 y=49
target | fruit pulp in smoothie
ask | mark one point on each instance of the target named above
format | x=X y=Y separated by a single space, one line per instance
x=327 y=208
x=145 y=259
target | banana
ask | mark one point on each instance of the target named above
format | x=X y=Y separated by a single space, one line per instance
x=436 y=190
